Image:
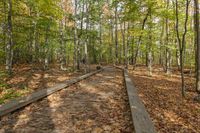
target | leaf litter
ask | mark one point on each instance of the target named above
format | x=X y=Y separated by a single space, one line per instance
x=98 y=104
x=161 y=95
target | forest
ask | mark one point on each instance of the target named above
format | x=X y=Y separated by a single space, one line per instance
x=158 y=39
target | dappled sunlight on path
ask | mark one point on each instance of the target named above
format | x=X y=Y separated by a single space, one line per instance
x=97 y=104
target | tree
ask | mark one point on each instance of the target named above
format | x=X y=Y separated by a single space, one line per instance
x=182 y=41
x=9 y=47
x=168 y=54
x=196 y=3
x=116 y=35
x=84 y=32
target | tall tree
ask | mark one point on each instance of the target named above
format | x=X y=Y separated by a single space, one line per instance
x=62 y=42
x=9 y=47
x=75 y=34
x=197 y=29
x=168 y=54
x=149 y=45
x=116 y=35
x=182 y=40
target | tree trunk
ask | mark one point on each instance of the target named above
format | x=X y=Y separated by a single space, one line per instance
x=150 y=59
x=79 y=37
x=62 y=49
x=168 y=55
x=75 y=37
x=139 y=40
x=111 y=41
x=100 y=33
x=123 y=26
x=62 y=42
x=86 y=61
x=127 y=47
x=182 y=42
x=116 y=37
x=46 y=49
x=196 y=2
x=9 y=50
x=161 y=44
x=4 y=25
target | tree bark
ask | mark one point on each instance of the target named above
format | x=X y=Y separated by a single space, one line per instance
x=182 y=42
x=123 y=26
x=9 y=50
x=139 y=40
x=196 y=2
x=46 y=49
x=149 y=56
x=86 y=60
x=116 y=37
x=75 y=36
x=4 y=24
x=62 y=42
x=168 y=54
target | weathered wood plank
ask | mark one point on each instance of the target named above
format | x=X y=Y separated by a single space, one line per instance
x=121 y=68
x=21 y=102
x=141 y=119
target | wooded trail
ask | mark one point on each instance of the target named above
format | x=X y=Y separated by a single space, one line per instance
x=97 y=104
x=44 y=44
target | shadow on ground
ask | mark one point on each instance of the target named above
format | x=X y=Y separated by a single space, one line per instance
x=98 y=104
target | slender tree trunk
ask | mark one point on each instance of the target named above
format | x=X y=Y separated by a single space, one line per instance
x=75 y=37
x=100 y=36
x=195 y=36
x=196 y=2
x=30 y=41
x=123 y=41
x=86 y=41
x=127 y=50
x=116 y=37
x=191 y=43
x=4 y=24
x=132 y=50
x=161 y=44
x=79 y=36
x=62 y=49
x=62 y=42
x=111 y=41
x=182 y=42
x=168 y=54
x=139 y=40
x=149 y=56
x=9 y=50
x=46 y=49
x=34 y=58
x=178 y=59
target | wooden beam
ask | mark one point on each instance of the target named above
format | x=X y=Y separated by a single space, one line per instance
x=121 y=68
x=141 y=119
x=21 y=102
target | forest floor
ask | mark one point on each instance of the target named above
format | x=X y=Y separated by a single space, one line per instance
x=26 y=79
x=161 y=95
x=98 y=104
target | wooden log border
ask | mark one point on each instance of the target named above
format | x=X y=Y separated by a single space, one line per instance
x=18 y=103
x=141 y=120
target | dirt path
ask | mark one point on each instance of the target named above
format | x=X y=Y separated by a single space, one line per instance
x=98 y=104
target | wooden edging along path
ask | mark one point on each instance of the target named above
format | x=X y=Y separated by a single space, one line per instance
x=21 y=102
x=141 y=120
